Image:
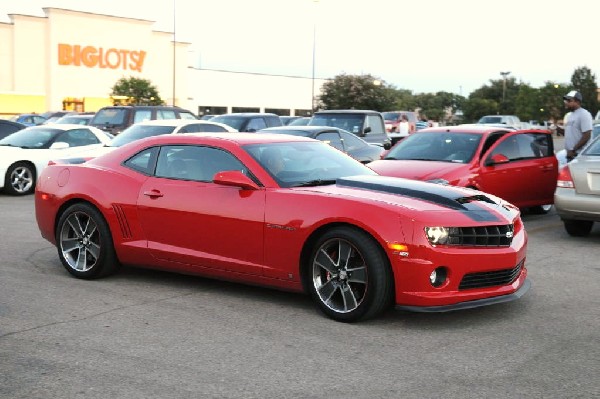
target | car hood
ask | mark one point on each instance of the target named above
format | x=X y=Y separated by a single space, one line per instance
x=417 y=170
x=422 y=198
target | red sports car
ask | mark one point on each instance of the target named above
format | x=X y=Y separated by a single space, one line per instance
x=517 y=166
x=287 y=212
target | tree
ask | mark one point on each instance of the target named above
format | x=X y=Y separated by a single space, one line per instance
x=357 y=92
x=138 y=91
x=584 y=81
x=440 y=106
x=475 y=108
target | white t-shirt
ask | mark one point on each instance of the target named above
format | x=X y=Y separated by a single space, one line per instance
x=403 y=128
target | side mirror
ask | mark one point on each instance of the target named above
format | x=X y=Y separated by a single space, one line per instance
x=496 y=159
x=235 y=178
x=367 y=130
x=59 y=145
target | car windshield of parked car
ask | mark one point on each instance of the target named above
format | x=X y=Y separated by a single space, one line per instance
x=490 y=119
x=235 y=122
x=350 y=122
x=136 y=132
x=294 y=132
x=429 y=146
x=391 y=116
x=110 y=116
x=593 y=149
x=28 y=138
x=305 y=164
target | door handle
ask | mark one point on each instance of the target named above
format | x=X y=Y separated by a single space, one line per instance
x=153 y=194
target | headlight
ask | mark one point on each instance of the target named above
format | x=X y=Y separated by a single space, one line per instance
x=437 y=235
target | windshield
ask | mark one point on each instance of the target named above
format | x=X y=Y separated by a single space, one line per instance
x=137 y=132
x=305 y=164
x=235 y=122
x=31 y=138
x=391 y=116
x=490 y=119
x=110 y=116
x=350 y=122
x=291 y=132
x=446 y=147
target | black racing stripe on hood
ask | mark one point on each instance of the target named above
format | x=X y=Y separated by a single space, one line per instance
x=434 y=193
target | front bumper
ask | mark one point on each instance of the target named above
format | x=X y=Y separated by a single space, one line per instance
x=471 y=304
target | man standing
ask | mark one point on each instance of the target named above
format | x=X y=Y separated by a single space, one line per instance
x=578 y=127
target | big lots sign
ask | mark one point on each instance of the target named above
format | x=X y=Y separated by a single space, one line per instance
x=99 y=57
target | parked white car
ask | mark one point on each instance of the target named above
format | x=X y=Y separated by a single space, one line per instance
x=25 y=153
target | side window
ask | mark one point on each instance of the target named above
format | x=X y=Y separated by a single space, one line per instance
x=143 y=162
x=352 y=142
x=376 y=124
x=186 y=115
x=533 y=145
x=256 y=124
x=142 y=115
x=197 y=163
x=509 y=148
x=333 y=139
x=165 y=114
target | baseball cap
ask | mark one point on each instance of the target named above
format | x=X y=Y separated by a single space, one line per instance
x=573 y=94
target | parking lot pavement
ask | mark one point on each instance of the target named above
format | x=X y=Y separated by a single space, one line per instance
x=150 y=334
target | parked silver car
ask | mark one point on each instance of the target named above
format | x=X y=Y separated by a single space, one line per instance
x=577 y=196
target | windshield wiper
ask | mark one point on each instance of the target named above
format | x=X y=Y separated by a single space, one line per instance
x=317 y=182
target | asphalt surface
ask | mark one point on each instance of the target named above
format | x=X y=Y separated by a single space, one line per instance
x=151 y=334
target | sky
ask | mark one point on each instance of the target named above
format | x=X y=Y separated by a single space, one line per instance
x=423 y=46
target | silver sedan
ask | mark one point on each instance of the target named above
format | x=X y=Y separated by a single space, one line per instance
x=577 y=196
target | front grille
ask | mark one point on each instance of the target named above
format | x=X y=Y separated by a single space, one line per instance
x=486 y=236
x=490 y=279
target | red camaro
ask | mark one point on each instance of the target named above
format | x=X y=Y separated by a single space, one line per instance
x=287 y=212
x=518 y=166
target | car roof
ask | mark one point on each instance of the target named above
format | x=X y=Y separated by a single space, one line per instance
x=468 y=128
x=248 y=114
x=60 y=126
x=312 y=129
x=347 y=111
x=182 y=122
x=234 y=137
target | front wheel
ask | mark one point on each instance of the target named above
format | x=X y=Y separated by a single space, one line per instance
x=350 y=276
x=578 y=228
x=84 y=242
x=20 y=179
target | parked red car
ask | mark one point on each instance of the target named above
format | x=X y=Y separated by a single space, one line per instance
x=283 y=211
x=518 y=166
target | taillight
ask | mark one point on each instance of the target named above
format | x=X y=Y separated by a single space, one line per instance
x=565 y=180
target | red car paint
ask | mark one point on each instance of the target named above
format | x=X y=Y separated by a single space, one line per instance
x=526 y=179
x=260 y=233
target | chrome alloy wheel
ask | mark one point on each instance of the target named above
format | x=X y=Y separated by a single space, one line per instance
x=80 y=242
x=339 y=275
x=21 y=179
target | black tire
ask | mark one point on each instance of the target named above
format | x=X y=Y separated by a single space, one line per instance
x=84 y=243
x=578 y=228
x=20 y=179
x=540 y=209
x=354 y=286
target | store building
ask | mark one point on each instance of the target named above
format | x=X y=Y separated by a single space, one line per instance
x=70 y=60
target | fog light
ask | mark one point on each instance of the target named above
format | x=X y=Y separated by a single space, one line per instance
x=438 y=277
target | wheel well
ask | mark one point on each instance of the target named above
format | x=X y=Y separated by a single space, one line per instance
x=28 y=163
x=66 y=205
x=310 y=244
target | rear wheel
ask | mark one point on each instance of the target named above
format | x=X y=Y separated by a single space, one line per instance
x=84 y=242
x=578 y=228
x=20 y=179
x=350 y=276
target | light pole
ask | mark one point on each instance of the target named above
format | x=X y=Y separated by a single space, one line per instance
x=504 y=75
x=174 y=51
x=312 y=98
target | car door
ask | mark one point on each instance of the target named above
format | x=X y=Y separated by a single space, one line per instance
x=189 y=219
x=529 y=176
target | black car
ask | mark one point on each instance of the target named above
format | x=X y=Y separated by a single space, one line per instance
x=249 y=121
x=368 y=125
x=115 y=119
x=9 y=127
x=344 y=141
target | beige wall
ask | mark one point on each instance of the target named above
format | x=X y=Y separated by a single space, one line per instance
x=31 y=65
